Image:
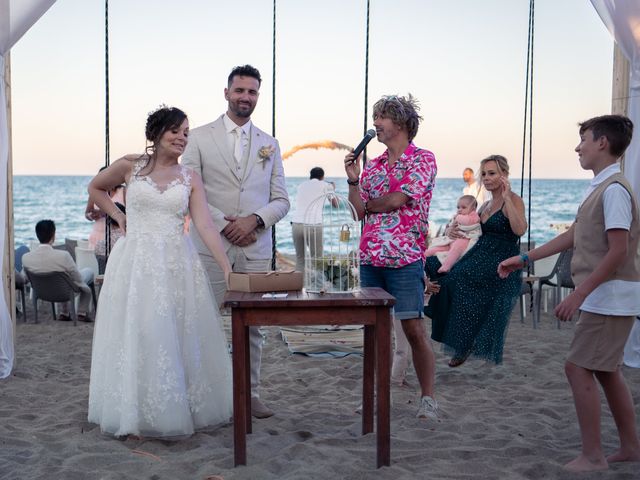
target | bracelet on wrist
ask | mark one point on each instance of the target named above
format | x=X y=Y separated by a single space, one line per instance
x=353 y=183
x=525 y=258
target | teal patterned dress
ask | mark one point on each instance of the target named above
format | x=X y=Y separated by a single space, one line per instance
x=471 y=312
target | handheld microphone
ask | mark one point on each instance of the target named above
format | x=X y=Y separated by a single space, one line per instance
x=367 y=138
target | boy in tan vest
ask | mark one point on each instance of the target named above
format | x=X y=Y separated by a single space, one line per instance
x=606 y=271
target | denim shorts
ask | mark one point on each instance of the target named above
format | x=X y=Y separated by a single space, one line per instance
x=405 y=283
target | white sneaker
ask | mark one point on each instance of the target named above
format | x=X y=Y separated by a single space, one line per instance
x=428 y=408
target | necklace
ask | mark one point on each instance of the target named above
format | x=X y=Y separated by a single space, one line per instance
x=489 y=211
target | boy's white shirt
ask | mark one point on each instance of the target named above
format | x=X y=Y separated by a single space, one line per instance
x=615 y=297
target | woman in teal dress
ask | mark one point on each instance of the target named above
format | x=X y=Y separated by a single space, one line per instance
x=471 y=311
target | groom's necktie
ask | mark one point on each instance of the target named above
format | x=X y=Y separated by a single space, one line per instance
x=240 y=141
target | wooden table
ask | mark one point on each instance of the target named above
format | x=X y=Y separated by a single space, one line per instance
x=370 y=307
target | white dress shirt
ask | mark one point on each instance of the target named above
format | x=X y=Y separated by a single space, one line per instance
x=230 y=127
x=308 y=193
x=478 y=191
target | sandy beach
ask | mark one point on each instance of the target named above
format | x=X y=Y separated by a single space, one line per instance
x=513 y=421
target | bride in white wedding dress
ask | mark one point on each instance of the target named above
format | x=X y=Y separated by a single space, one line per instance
x=160 y=365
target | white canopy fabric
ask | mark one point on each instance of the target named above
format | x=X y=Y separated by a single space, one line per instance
x=622 y=19
x=16 y=17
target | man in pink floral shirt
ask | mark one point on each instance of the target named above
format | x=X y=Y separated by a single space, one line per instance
x=393 y=197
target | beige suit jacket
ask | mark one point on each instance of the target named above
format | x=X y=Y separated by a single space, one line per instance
x=259 y=189
x=45 y=259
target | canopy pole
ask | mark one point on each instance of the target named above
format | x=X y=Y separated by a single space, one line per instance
x=8 y=264
x=620 y=83
x=620 y=87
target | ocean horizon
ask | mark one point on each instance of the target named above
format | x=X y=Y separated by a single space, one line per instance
x=63 y=198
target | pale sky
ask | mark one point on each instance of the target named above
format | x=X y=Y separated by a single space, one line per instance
x=463 y=59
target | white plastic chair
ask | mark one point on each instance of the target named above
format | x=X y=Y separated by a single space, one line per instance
x=86 y=258
x=544 y=267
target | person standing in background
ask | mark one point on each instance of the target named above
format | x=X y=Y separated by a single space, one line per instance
x=309 y=213
x=94 y=214
x=474 y=188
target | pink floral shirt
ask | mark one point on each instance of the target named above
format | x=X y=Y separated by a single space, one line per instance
x=398 y=238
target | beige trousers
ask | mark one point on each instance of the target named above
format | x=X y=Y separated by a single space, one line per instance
x=314 y=242
x=84 y=297
x=239 y=263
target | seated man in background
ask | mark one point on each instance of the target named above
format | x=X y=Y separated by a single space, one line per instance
x=46 y=259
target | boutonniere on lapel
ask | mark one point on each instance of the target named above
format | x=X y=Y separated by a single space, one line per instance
x=266 y=152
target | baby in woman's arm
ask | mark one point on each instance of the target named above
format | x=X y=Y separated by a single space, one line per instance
x=450 y=250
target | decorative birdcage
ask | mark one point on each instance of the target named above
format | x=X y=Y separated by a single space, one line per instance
x=332 y=239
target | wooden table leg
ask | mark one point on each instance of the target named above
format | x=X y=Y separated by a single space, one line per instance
x=247 y=377
x=383 y=374
x=239 y=356
x=368 y=372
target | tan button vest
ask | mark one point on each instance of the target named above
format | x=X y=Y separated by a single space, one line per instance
x=590 y=238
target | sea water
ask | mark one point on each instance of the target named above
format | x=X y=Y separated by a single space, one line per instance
x=64 y=198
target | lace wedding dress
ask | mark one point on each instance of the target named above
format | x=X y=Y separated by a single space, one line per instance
x=160 y=365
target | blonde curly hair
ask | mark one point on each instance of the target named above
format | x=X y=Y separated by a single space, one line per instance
x=403 y=111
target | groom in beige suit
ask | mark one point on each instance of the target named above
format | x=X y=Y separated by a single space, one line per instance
x=241 y=168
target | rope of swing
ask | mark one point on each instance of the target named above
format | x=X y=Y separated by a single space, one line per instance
x=366 y=94
x=107 y=230
x=528 y=122
x=273 y=126
x=366 y=86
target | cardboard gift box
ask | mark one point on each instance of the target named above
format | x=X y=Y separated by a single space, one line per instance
x=265 y=281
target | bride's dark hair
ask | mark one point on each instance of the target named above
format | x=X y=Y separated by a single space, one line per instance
x=159 y=121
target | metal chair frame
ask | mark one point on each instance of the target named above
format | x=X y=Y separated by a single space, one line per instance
x=562 y=273
x=21 y=285
x=55 y=287
x=527 y=287
x=21 y=281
